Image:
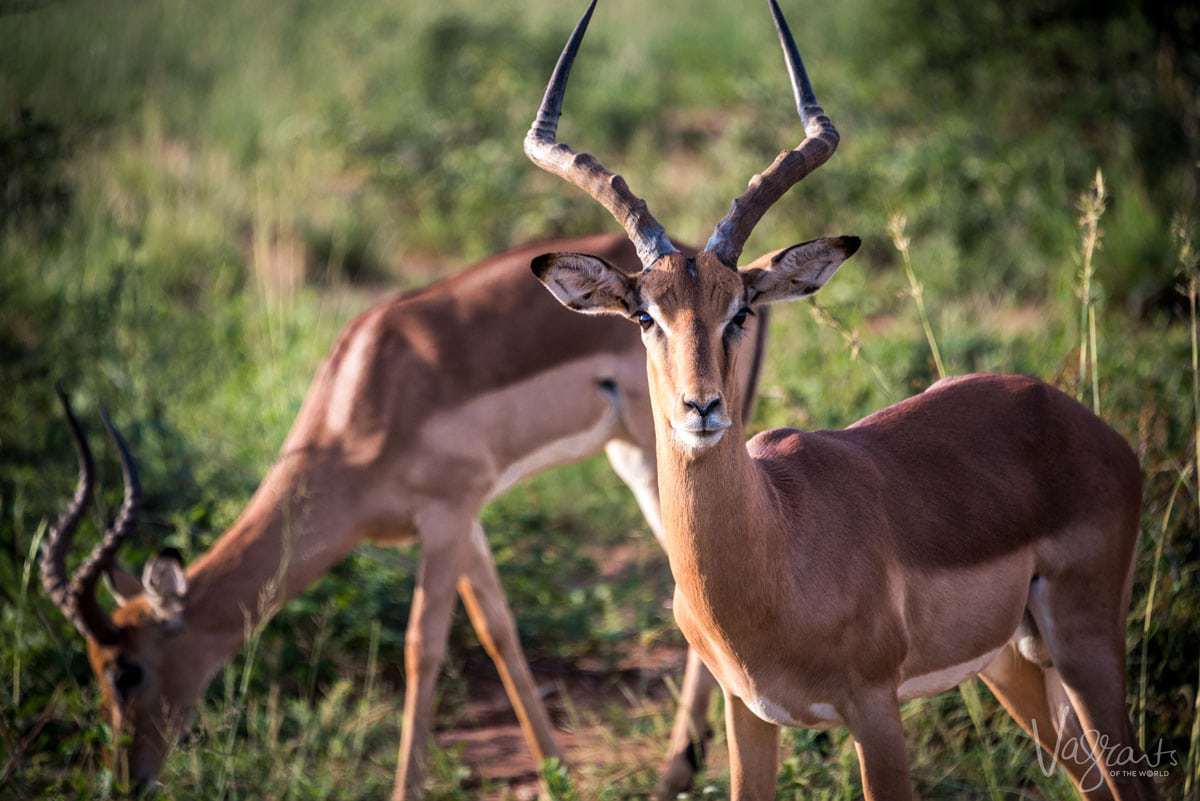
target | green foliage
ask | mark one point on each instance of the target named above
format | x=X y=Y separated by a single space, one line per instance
x=558 y=783
x=194 y=199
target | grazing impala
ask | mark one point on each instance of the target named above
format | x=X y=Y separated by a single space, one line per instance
x=986 y=526
x=428 y=406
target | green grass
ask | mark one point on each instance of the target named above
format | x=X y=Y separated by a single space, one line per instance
x=193 y=201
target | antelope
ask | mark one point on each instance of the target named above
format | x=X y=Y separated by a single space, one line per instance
x=418 y=417
x=986 y=526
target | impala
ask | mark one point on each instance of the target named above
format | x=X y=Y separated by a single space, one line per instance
x=429 y=406
x=986 y=526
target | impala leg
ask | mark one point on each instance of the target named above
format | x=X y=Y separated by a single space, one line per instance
x=1036 y=700
x=1089 y=656
x=689 y=735
x=442 y=535
x=493 y=621
x=753 y=753
x=874 y=720
x=1097 y=693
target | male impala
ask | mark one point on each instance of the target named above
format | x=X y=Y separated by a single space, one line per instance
x=985 y=526
x=428 y=406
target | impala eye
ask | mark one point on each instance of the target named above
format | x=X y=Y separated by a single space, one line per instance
x=127 y=676
x=643 y=319
x=738 y=320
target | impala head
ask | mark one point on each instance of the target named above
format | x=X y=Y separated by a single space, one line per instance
x=144 y=694
x=691 y=310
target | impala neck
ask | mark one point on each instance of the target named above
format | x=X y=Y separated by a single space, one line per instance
x=296 y=527
x=718 y=539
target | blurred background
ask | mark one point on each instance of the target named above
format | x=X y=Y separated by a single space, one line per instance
x=195 y=197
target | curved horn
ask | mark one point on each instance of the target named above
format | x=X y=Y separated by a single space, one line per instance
x=583 y=170
x=83 y=583
x=58 y=540
x=788 y=169
x=76 y=598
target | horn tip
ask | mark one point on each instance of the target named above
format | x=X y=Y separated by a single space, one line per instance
x=110 y=427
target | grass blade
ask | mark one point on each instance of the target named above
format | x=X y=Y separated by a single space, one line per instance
x=896 y=227
x=26 y=571
x=1092 y=204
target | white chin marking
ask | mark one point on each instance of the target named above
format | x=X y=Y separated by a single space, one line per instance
x=697 y=440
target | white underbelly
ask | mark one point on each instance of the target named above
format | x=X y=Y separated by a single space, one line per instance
x=814 y=715
x=944 y=679
x=560 y=451
x=783 y=712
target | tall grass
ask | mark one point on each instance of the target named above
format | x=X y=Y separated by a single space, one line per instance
x=362 y=723
x=19 y=628
x=853 y=341
x=1151 y=594
x=969 y=690
x=897 y=224
x=1092 y=204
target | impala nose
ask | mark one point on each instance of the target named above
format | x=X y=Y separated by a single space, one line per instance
x=704 y=406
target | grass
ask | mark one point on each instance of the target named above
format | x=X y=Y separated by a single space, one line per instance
x=1148 y=614
x=1091 y=209
x=896 y=226
x=22 y=595
x=194 y=203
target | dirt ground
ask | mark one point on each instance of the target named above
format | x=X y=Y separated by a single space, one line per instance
x=582 y=702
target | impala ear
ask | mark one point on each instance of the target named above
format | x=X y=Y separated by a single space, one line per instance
x=122 y=584
x=586 y=284
x=798 y=271
x=166 y=585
